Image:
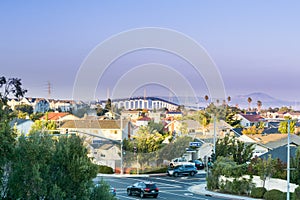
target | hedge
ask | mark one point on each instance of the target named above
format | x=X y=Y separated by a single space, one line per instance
x=103 y=169
x=258 y=192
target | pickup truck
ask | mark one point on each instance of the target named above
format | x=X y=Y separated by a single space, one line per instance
x=179 y=161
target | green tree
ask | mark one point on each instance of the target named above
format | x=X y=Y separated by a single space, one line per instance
x=252 y=130
x=147 y=143
x=259 y=104
x=13 y=87
x=176 y=148
x=158 y=127
x=285 y=109
x=24 y=108
x=228 y=99
x=237 y=150
x=43 y=125
x=265 y=169
x=230 y=117
x=218 y=111
x=283 y=126
x=295 y=163
x=249 y=102
x=72 y=170
x=31 y=168
x=48 y=168
x=101 y=191
x=108 y=105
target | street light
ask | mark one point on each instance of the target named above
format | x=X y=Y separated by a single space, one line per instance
x=288 y=163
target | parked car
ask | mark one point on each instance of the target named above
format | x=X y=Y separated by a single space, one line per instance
x=178 y=161
x=143 y=189
x=182 y=170
x=199 y=164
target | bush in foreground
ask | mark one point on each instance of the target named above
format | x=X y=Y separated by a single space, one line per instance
x=296 y=195
x=273 y=195
x=258 y=192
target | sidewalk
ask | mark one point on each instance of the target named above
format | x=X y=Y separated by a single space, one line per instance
x=201 y=189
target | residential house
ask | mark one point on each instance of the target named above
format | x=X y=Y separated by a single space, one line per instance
x=104 y=153
x=22 y=126
x=143 y=121
x=62 y=105
x=280 y=153
x=192 y=126
x=259 y=148
x=105 y=129
x=274 y=141
x=131 y=114
x=59 y=117
x=250 y=120
x=292 y=115
x=174 y=115
x=102 y=136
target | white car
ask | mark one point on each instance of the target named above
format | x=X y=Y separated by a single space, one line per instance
x=179 y=161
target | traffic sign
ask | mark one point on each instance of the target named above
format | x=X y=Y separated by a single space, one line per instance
x=195 y=144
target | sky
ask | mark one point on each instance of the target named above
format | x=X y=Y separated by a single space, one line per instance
x=255 y=44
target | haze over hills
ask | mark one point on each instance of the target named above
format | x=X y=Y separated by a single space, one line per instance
x=267 y=101
x=239 y=100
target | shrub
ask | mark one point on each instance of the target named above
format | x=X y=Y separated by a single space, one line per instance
x=103 y=169
x=101 y=191
x=273 y=195
x=156 y=170
x=237 y=186
x=296 y=195
x=258 y=192
x=133 y=171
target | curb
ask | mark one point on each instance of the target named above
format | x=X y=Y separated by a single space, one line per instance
x=201 y=189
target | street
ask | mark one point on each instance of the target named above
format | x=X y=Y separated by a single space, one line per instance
x=169 y=187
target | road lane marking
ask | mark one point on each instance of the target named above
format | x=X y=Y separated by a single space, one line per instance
x=193 y=197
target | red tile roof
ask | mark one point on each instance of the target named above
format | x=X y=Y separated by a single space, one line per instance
x=54 y=116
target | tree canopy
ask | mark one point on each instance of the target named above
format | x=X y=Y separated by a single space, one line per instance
x=231 y=147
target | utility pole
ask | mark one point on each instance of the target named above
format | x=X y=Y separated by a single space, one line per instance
x=288 y=163
x=121 y=145
x=215 y=135
x=49 y=89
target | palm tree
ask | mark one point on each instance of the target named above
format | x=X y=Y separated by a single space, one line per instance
x=206 y=98
x=249 y=102
x=259 y=104
x=228 y=99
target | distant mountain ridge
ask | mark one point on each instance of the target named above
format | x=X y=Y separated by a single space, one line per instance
x=239 y=100
x=267 y=100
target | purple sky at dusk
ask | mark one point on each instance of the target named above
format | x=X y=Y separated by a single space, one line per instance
x=255 y=44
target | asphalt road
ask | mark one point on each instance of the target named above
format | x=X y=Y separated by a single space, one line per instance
x=169 y=187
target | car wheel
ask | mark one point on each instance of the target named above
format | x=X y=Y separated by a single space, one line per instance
x=192 y=173
x=129 y=192
x=175 y=174
x=142 y=194
x=155 y=196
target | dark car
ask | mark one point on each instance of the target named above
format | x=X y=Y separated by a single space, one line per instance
x=182 y=170
x=199 y=164
x=143 y=189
